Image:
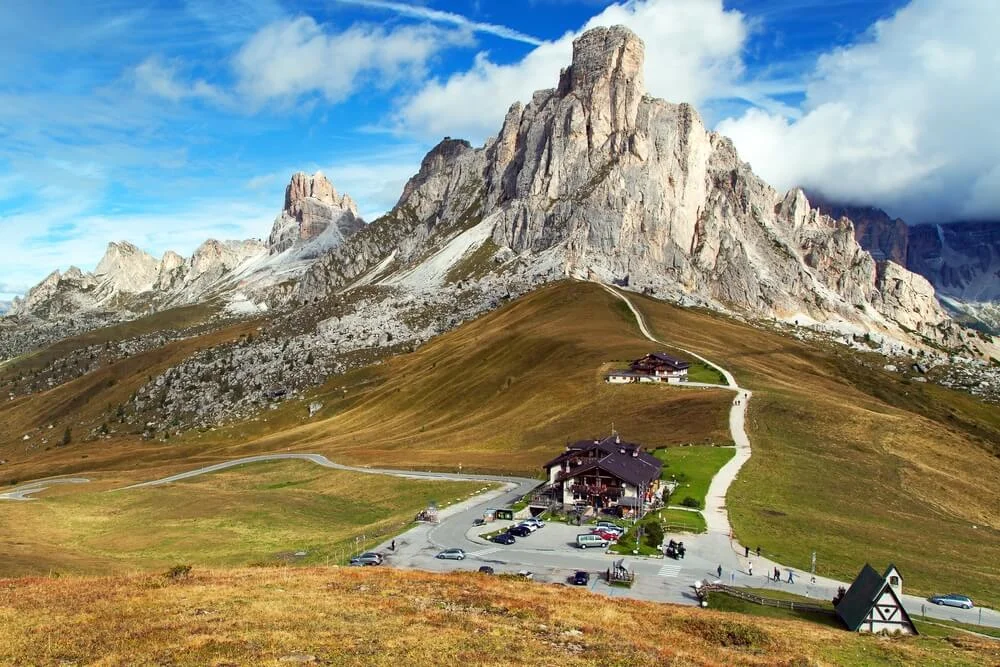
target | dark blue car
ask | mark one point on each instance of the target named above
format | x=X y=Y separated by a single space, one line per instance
x=504 y=538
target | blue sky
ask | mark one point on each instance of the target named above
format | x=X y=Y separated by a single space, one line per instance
x=167 y=123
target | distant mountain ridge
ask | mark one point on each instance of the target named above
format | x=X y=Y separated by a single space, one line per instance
x=314 y=219
x=960 y=259
x=592 y=179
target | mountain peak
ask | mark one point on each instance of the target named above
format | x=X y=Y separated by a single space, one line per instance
x=604 y=57
x=312 y=205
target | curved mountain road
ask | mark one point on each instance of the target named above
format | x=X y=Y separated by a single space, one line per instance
x=548 y=553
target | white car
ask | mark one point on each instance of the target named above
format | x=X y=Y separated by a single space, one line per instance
x=529 y=525
x=535 y=520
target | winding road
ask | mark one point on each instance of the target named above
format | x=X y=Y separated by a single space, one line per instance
x=549 y=554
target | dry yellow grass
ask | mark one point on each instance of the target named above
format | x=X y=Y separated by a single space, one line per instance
x=855 y=463
x=375 y=616
x=503 y=393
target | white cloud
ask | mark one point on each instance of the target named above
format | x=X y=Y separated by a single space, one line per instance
x=290 y=58
x=155 y=77
x=692 y=54
x=905 y=119
x=438 y=16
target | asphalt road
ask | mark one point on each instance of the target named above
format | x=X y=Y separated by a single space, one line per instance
x=549 y=555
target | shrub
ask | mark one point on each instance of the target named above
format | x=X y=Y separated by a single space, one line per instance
x=178 y=572
x=691 y=502
x=654 y=534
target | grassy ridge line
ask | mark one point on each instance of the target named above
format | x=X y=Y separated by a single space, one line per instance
x=501 y=394
x=355 y=616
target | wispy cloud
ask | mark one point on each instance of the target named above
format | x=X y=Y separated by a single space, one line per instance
x=450 y=18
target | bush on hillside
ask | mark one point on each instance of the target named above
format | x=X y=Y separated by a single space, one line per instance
x=691 y=502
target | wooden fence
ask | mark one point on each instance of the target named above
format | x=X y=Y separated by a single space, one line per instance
x=767 y=602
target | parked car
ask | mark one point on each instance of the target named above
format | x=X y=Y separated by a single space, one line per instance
x=367 y=558
x=486 y=569
x=452 y=554
x=529 y=525
x=591 y=540
x=535 y=520
x=479 y=522
x=609 y=524
x=606 y=534
x=581 y=578
x=519 y=531
x=504 y=538
x=953 y=600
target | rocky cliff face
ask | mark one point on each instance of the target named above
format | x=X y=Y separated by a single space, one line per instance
x=610 y=183
x=313 y=209
x=961 y=260
x=882 y=236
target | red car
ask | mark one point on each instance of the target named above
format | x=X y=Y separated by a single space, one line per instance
x=605 y=534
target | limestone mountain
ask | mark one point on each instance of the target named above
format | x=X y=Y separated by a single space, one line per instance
x=960 y=259
x=313 y=215
x=594 y=178
x=129 y=281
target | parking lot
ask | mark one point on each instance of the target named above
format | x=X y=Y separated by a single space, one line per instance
x=553 y=537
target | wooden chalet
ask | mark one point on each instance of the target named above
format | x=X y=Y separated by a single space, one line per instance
x=603 y=474
x=654 y=367
x=874 y=603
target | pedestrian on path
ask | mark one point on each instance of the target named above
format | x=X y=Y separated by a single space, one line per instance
x=719 y=570
x=791 y=577
x=777 y=575
x=746 y=552
x=750 y=568
x=758 y=551
x=732 y=577
x=393 y=545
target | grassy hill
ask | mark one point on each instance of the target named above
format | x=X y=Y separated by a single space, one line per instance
x=262 y=513
x=848 y=461
x=375 y=616
x=502 y=393
x=853 y=462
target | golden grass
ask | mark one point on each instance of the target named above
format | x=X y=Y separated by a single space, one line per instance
x=503 y=393
x=257 y=513
x=375 y=616
x=855 y=463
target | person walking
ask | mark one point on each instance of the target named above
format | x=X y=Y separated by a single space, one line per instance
x=393 y=545
x=746 y=552
x=758 y=551
x=791 y=577
x=750 y=568
x=777 y=575
x=719 y=571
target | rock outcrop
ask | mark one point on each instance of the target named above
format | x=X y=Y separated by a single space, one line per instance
x=960 y=259
x=129 y=281
x=627 y=188
x=313 y=209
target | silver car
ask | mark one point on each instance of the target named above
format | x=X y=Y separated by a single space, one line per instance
x=953 y=600
x=452 y=554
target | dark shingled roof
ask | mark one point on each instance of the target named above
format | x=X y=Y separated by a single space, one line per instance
x=861 y=597
x=638 y=469
x=673 y=361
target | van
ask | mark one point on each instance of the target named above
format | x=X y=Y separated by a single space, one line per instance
x=588 y=540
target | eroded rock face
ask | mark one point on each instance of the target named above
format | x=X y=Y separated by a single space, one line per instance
x=312 y=207
x=627 y=188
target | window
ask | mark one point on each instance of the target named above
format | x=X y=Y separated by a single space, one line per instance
x=894 y=580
